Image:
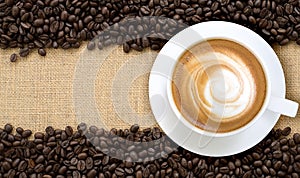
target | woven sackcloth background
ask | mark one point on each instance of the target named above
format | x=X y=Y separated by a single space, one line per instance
x=39 y=91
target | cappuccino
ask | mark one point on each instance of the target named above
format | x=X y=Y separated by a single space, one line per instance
x=218 y=85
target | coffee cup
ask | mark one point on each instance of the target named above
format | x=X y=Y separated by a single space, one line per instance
x=226 y=50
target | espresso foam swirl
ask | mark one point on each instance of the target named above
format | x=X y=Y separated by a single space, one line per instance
x=219 y=85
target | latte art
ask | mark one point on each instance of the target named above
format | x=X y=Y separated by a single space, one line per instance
x=218 y=84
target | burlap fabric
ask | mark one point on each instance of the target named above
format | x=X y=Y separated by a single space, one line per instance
x=39 y=91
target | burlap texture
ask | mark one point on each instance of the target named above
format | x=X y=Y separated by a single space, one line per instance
x=38 y=91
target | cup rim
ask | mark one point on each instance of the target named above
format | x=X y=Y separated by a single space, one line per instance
x=227 y=35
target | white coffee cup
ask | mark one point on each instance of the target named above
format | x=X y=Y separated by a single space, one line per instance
x=190 y=36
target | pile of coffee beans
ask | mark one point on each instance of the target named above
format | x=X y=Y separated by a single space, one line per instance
x=29 y=24
x=96 y=152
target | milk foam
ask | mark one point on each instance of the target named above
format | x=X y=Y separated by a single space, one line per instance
x=221 y=85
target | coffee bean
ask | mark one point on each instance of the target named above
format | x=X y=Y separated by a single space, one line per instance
x=298 y=41
x=69 y=131
x=8 y=128
x=126 y=47
x=89 y=163
x=26 y=133
x=279 y=38
x=92 y=173
x=224 y=170
x=64 y=15
x=257 y=163
x=81 y=165
x=133 y=155
x=139 y=174
x=134 y=128
x=42 y=52
x=88 y=19
x=119 y=172
x=15 y=11
x=38 y=22
x=296 y=167
x=284 y=41
x=282 y=21
x=62 y=170
x=24 y=52
x=145 y=10
x=91 y=45
x=82 y=156
x=155 y=47
x=177 y=2
x=277 y=165
x=72 y=18
x=296 y=138
x=39 y=168
x=9 y=2
x=294 y=35
x=6 y=165
x=13 y=58
x=288 y=8
x=191 y=11
x=13 y=28
x=263 y=23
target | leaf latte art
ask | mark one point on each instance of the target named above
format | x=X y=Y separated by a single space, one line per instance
x=218 y=85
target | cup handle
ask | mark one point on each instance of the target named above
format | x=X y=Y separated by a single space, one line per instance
x=283 y=106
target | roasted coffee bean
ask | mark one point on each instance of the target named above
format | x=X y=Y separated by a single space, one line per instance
x=6 y=166
x=145 y=10
x=39 y=168
x=81 y=165
x=24 y=52
x=284 y=41
x=296 y=167
x=15 y=11
x=296 y=138
x=89 y=163
x=82 y=156
x=134 y=128
x=8 y=128
x=13 y=58
x=69 y=131
x=26 y=133
x=126 y=47
x=119 y=172
x=62 y=170
x=91 y=45
x=38 y=22
x=40 y=159
x=39 y=135
x=13 y=28
x=298 y=41
x=155 y=47
x=72 y=18
x=92 y=173
x=16 y=162
x=42 y=52
x=139 y=174
x=257 y=163
x=50 y=130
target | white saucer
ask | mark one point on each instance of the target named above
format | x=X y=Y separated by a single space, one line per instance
x=176 y=129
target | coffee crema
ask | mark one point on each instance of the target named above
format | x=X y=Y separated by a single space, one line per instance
x=218 y=85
